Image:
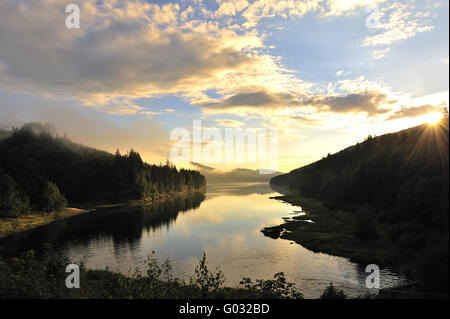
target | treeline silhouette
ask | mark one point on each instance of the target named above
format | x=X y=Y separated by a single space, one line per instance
x=40 y=171
x=399 y=181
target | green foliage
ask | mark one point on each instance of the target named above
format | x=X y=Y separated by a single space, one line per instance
x=51 y=199
x=12 y=204
x=158 y=282
x=278 y=288
x=209 y=284
x=30 y=277
x=333 y=293
x=43 y=276
x=39 y=167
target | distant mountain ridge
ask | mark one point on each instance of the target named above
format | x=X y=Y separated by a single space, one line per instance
x=214 y=175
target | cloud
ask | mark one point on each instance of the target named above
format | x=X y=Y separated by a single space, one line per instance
x=231 y=8
x=378 y=54
x=261 y=9
x=126 y=50
x=394 y=22
x=372 y=102
x=342 y=7
x=259 y=98
x=342 y=73
x=400 y=23
x=303 y=119
x=415 y=111
x=283 y=8
x=369 y=102
x=230 y=123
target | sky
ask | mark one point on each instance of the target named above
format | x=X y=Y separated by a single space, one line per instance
x=323 y=73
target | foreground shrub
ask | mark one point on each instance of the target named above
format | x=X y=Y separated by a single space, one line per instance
x=278 y=288
x=43 y=277
x=333 y=293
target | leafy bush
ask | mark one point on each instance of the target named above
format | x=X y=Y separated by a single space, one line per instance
x=333 y=293
x=12 y=204
x=32 y=276
x=278 y=288
x=210 y=284
x=51 y=199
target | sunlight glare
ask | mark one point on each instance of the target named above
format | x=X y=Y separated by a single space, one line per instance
x=432 y=118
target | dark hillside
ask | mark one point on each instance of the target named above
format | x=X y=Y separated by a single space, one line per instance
x=399 y=180
x=403 y=170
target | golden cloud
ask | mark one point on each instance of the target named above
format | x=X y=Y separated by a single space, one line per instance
x=126 y=50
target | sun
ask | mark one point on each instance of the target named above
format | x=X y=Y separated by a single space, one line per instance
x=432 y=118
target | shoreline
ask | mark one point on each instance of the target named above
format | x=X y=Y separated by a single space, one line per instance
x=10 y=225
x=323 y=230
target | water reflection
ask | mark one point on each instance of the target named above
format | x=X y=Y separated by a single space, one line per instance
x=226 y=224
x=244 y=189
x=124 y=224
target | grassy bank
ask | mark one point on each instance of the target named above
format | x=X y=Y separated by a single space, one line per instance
x=12 y=225
x=9 y=226
x=332 y=232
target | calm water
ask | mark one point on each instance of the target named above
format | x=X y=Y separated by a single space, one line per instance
x=225 y=223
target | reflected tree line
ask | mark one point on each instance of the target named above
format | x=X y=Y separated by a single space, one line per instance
x=124 y=224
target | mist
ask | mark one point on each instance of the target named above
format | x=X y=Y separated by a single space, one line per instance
x=89 y=126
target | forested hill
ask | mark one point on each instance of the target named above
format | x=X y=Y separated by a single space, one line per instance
x=40 y=171
x=404 y=170
x=398 y=180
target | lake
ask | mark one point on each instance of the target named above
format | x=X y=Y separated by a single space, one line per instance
x=225 y=223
